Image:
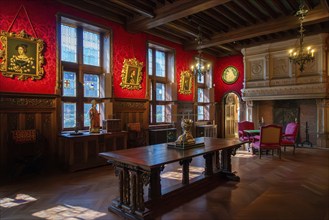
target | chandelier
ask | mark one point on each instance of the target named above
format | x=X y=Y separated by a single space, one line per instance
x=198 y=68
x=300 y=56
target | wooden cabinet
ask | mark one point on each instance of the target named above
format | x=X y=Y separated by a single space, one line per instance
x=158 y=136
x=206 y=131
x=78 y=152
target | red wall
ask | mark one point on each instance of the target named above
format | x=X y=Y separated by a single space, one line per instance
x=42 y=14
x=221 y=88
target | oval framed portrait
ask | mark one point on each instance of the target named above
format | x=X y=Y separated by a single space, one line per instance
x=230 y=74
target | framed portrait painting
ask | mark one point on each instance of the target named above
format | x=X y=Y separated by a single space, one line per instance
x=185 y=83
x=21 y=56
x=131 y=74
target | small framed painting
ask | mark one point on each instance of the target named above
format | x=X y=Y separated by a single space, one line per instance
x=21 y=55
x=230 y=75
x=185 y=83
x=131 y=74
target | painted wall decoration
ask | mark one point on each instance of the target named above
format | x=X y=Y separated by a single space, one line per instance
x=131 y=74
x=21 y=55
x=230 y=74
x=185 y=83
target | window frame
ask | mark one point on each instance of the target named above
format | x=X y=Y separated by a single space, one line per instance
x=153 y=79
x=80 y=68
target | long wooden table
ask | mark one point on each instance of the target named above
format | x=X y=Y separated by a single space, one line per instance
x=139 y=167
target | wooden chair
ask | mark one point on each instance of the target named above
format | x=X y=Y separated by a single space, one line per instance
x=270 y=139
x=136 y=135
x=27 y=151
x=289 y=137
x=243 y=136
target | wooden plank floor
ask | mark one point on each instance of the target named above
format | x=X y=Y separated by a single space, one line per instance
x=295 y=187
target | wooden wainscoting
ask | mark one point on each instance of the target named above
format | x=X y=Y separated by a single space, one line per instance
x=26 y=111
x=132 y=111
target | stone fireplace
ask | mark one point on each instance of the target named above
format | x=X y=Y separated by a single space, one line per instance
x=275 y=91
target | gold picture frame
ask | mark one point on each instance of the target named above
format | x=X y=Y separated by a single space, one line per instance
x=21 y=55
x=185 y=83
x=131 y=74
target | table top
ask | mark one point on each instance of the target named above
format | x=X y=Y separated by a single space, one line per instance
x=159 y=154
x=252 y=131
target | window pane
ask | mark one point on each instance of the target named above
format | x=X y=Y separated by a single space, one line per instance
x=151 y=113
x=86 y=118
x=160 y=59
x=69 y=43
x=69 y=116
x=91 y=85
x=160 y=92
x=200 y=95
x=160 y=114
x=200 y=78
x=150 y=61
x=69 y=84
x=91 y=51
x=200 y=113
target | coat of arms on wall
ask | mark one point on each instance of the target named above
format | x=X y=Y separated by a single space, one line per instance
x=131 y=74
x=21 y=55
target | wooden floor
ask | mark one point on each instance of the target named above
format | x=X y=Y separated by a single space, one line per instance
x=295 y=187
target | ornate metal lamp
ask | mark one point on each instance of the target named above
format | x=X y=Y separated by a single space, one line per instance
x=198 y=68
x=300 y=56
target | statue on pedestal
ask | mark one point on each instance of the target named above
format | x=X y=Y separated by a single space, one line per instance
x=94 y=118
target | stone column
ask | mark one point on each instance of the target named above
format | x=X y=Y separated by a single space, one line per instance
x=249 y=107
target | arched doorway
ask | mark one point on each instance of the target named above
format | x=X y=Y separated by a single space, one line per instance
x=231 y=115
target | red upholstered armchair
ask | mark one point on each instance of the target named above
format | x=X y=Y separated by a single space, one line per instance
x=270 y=139
x=289 y=136
x=245 y=125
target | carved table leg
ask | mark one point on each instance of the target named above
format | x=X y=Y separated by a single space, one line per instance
x=155 y=184
x=226 y=166
x=208 y=164
x=186 y=170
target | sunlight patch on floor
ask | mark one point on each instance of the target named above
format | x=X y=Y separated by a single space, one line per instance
x=20 y=199
x=68 y=212
x=177 y=175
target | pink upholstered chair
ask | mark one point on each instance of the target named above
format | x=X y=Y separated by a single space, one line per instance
x=245 y=125
x=270 y=139
x=289 y=137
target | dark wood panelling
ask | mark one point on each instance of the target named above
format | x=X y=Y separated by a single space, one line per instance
x=27 y=111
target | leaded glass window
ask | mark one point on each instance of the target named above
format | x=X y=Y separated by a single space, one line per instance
x=68 y=43
x=91 y=48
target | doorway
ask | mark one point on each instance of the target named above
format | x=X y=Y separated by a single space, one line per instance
x=231 y=115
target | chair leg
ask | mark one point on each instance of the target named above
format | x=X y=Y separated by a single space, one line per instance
x=260 y=153
x=279 y=152
x=294 y=149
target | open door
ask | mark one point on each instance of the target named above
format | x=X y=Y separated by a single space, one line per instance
x=231 y=115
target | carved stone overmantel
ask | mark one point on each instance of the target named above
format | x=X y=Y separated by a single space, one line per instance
x=269 y=74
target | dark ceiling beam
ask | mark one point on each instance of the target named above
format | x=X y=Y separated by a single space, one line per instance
x=182 y=29
x=318 y=14
x=128 y=4
x=251 y=9
x=236 y=9
x=221 y=22
x=168 y=13
x=281 y=7
x=97 y=11
x=266 y=7
x=238 y=21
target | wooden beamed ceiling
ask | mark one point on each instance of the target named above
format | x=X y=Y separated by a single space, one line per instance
x=227 y=26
